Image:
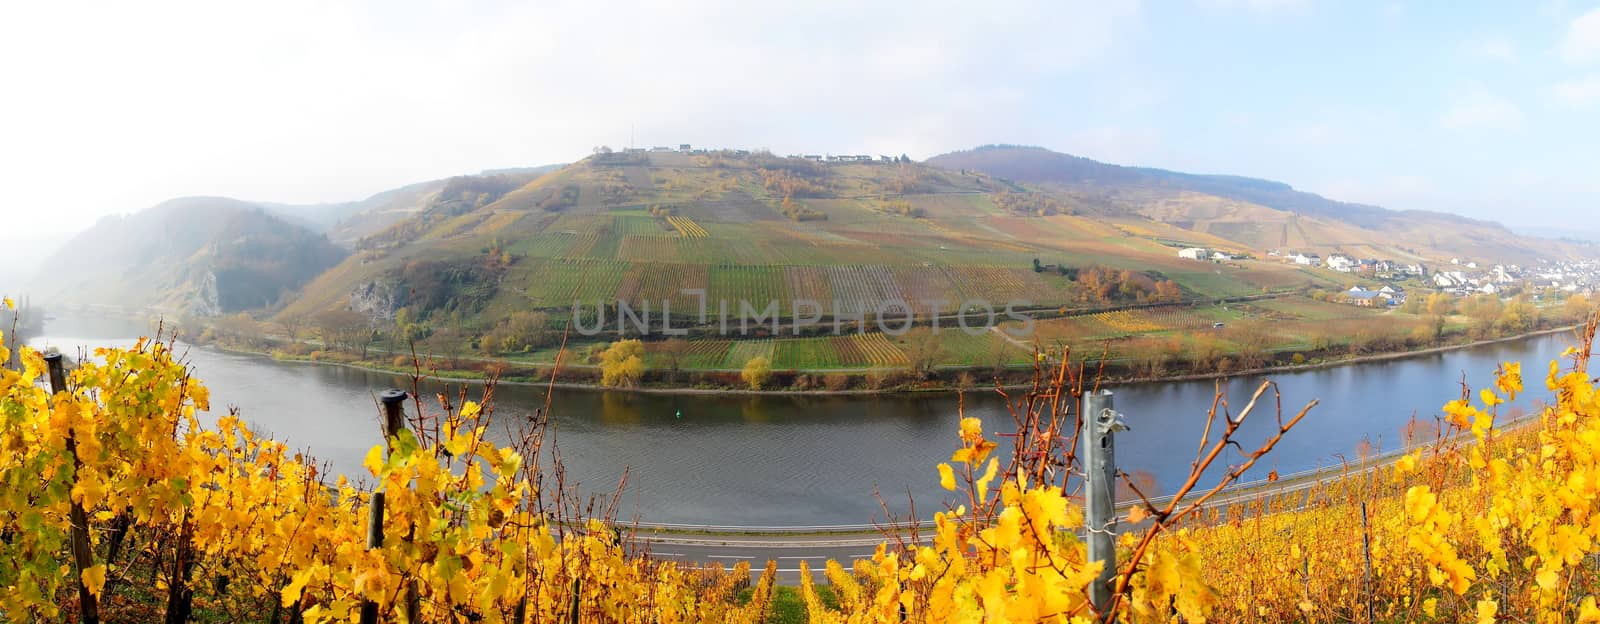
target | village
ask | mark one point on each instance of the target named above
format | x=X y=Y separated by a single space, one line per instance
x=1383 y=282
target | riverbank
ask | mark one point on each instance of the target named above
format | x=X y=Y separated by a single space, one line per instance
x=935 y=386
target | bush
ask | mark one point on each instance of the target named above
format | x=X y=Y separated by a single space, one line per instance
x=756 y=372
x=622 y=364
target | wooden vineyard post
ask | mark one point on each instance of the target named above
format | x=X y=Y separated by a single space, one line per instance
x=393 y=422
x=82 y=557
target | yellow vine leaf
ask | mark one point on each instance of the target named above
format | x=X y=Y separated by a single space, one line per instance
x=94 y=578
x=1486 y=611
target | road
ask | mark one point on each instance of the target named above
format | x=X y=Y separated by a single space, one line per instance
x=791 y=545
x=787 y=550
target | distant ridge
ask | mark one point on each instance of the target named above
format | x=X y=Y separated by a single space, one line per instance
x=1037 y=165
x=194 y=255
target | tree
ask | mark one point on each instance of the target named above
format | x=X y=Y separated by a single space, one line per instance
x=1168 y=291
x=520 y=332
x=756 y=372
x=342 y=329
x=445 y=343
x=1431 y=330
x=622 y=364
x=922 y=353
x=239 y=329
x=1439 y=304
x=1517 y=317
x=291 y=324
x=1577 y=307
x=673 y=351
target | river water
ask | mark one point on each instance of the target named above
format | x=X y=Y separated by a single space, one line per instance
x=785 y=461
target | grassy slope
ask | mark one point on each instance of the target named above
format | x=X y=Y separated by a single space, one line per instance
x=731 y=239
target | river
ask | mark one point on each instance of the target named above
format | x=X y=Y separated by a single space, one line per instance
x=785 y=461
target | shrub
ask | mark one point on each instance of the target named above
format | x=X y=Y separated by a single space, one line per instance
x=756 y=372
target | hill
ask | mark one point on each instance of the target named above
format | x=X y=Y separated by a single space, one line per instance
x=1259 y=213
x=347 y=222
x=197 y=255
x=815 y=265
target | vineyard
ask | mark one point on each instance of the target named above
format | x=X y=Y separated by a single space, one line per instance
x=1121 y=323
x=124 y=505
x=863 y=287
x=687 y=227
x=741 y=351
x=872 y=350
x=560 y=282
x=697 y=354
x=807 y=354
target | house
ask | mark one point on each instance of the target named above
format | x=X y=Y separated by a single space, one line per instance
x=1394 y=294
x=1450 y=279
x=1195 y=253
x=1307 y=260
x=1489 y=289
x=1221 y=255
x=1342 y=264
x=1361 y=296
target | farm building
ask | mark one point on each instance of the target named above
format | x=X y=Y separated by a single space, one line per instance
x=1195 y=253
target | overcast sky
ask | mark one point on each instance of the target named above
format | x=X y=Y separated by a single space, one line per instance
x=1490 y=111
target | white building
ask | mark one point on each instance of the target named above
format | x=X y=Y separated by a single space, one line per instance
x=1195 y=253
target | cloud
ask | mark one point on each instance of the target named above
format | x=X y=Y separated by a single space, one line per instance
x=305 y=101
x=1495 y=49
x=1481 y=110
x=1582 y=43
x=1578 y=92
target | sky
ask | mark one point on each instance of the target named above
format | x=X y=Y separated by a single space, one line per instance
x=1489 y=110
